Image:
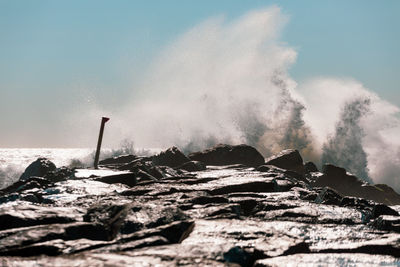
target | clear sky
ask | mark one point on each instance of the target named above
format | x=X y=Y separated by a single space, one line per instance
x=55 y=54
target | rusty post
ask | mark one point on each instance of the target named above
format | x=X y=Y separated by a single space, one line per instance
x=96 y=159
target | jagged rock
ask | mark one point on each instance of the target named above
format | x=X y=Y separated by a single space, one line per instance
x=59 y=174
x=172 y=157
x=228 y=155
x=328 y=196
x=193 y=166
x=40 y=168
x=224 y=215
x=32 y=182
x=288 y=159
x=387 y=223
x=124 y=178
x=310 y=167
x=123 y=159
x=349 y=185
x=243 y=256
x=26 y=215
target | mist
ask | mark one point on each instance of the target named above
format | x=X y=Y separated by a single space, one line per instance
x=228 y=82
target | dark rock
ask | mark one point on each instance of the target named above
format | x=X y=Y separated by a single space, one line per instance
x=172 y=157
x=310 y=167
x=123 y=159
x=225 y=215
x=381 y=209
x=25 y=215
x=228 y=155
x=20 y=186
x=243 y=256
x=349 y=185
x=328 y=196
x=289 y=159
x=125 y=178
x=59 y=174
x=387 y=223
x=193 y=166
x=202 y=200
x=40 y=168
x=264 y=168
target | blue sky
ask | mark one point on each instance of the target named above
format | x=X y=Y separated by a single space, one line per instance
x=54 y=54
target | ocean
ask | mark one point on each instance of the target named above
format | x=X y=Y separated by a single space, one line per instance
x=13 y=161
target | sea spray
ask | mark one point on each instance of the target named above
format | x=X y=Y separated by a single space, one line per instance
x=344 y=148
x=228 y=82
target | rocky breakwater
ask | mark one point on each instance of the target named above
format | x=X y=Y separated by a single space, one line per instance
x=222 y=206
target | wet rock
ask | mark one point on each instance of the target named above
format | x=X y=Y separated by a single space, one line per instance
x=228 y=155
x=125 y=178
x=123 y=159
x=310 y=167
x=59 y=174
x=329 y=259
x=40 y=168
x=349 y=185
x=224 y=215
x=193 y=166
x=243 y=256
x=20 y=186
x=289 y=159
x=387 y=223
x=15 y=241
x=328 y=196
x=25 y=215
x=172 y=157
x=266 y=187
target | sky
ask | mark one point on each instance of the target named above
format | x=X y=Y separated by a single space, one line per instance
x=56 y=56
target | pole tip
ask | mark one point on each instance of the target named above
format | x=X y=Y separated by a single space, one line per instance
x=105 y=119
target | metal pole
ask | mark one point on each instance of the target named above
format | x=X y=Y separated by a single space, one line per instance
x=96 y=158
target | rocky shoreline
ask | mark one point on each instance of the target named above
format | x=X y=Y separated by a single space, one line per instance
x=223 y=206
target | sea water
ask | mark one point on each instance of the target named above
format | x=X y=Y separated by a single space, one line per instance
x=13 y=161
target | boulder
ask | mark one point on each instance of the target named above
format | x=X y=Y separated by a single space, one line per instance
x=124 y=178
x=39 y=168
x=228 y=155
x=310 y=167
x=349 y=185
x=193 y=166
x=172 y=157
x=288 y=159
x=123 y=159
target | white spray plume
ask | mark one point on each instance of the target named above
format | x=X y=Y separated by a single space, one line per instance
x=228 y=82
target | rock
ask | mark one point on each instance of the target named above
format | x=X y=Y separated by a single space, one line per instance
x=289 y=159
x=349 y=185
x=387 y=223
x=228 y=155
x=266 y=187
x=225 y=215
x=328 y=259
x=172 y=157
x=32 y=182
x=40 y=168
x=59 y=174
x=243 y=256
x=125 y=178
x=119 y=160
x=193 y=166
x=328 y=196
x=26 y=215
x=310 y=167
